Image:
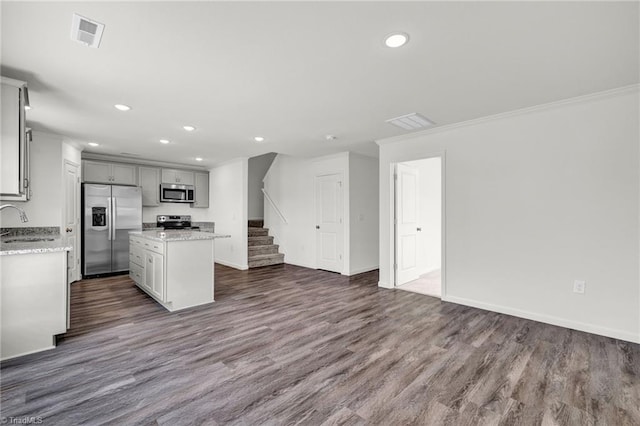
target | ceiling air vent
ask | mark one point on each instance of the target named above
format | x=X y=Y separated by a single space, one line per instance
x=86 y=31
x=413 y=121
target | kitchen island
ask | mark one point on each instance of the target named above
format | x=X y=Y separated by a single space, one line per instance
x=34 y=293
x=176 y=268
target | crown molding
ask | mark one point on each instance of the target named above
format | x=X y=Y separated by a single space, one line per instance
x=633 y=88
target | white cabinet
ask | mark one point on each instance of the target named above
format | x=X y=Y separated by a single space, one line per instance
x=178 y=176
x=201 y=190
x=14 y=145
x=149 y=180
x=154 y=273
x=110 y=173
x=177 y=273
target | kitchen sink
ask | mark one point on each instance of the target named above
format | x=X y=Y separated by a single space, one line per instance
x=27 y=240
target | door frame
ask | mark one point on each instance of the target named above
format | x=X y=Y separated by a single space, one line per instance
x=443 y=219
x=78 y=212
x=345 y=247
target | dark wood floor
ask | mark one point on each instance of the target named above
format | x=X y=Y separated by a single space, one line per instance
x=285 y=345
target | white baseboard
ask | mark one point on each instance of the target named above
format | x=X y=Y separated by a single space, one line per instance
x=547 y=319
x=362 y=270
x=232 y=265
x=384 y=285
x=302 y=265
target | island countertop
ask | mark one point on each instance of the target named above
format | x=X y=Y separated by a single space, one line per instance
x=32 y=244
x=177 y=235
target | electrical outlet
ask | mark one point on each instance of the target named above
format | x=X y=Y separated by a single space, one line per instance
x=579 y=286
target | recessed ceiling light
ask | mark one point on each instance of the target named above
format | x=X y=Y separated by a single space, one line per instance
x=93 y=144
x=122 y=107
x=198 y=159
x=258 y=139
x=331 y=137
x=189 y=128
x=165 y=141
x=396 y=39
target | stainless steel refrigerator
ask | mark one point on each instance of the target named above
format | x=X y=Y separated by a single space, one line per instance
x=109 y=213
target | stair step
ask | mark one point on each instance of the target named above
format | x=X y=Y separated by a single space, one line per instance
x=256 y=223
x=265 y=260
x=260 y=241
x=265 y=249
x=258 y=232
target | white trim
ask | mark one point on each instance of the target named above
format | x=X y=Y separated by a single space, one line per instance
x=547 y=319
x=302 y=265
x=523 y=111
x=363 y=270
x=385 y=285
x=141 y=161
x=232 y=265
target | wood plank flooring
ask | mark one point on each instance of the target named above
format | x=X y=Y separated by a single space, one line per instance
x=289 y=345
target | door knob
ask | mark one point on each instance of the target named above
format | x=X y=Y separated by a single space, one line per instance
x=317 y=226
x=419 y=229
x=69 y=229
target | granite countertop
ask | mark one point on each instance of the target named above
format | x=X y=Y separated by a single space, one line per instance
x=175 y=235
x=32 y=244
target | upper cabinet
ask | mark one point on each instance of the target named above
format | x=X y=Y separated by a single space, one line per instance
x=14 y=145
x=149 y=179
x=201 y=189
x=178 y=176
x=110 y=173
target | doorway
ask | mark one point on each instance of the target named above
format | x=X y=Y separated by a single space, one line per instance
x=418 y=226
x=71 y=235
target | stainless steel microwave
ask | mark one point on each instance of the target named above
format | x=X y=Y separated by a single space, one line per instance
x=175 y=193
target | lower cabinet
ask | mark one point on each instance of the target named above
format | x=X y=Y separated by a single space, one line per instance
x=154 y=274
x=178 y=274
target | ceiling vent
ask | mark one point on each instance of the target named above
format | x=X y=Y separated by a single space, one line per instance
x=413 y=121
x=86 y=31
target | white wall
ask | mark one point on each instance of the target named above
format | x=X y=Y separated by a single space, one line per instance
x=429 y=213
x=258 y=167
x=45 y=206
x=228 y=205
x=363 y=201
x=535 y=200
x=289 y=183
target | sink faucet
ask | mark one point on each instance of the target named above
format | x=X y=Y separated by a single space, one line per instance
x=23 y=215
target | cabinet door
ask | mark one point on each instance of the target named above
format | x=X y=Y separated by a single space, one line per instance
x=95 y=171
x=169 y=176
x=202 y=190
x=185 y=178
x=123 y=174
x=154 y=274
x=12 y=140
x=149 y=178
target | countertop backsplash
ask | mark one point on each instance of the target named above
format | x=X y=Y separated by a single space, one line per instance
x=35 y=230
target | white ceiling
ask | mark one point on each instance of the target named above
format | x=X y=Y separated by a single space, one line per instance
x=294 y=72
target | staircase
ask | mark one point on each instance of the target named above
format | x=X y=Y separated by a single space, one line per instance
x=262 y=251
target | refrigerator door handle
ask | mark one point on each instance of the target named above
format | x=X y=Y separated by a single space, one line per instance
x=115 y=216
x=109 y=216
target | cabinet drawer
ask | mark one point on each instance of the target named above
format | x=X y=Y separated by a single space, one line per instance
x=136 y=272
x=136 y=241
x=155 y=246
x=136 y=254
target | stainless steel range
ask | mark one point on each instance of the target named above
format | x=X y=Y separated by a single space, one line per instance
x=175 y=222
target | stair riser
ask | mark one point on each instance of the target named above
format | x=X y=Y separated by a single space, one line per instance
x=260 y=241
x=274 y=260
x=272 y=249
x=261 y=232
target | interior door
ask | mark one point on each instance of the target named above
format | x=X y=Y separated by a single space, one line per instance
x=72 y=218
x=329 y=222
x=406 y=218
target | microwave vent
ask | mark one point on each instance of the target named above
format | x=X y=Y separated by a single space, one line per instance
x=86 y=31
